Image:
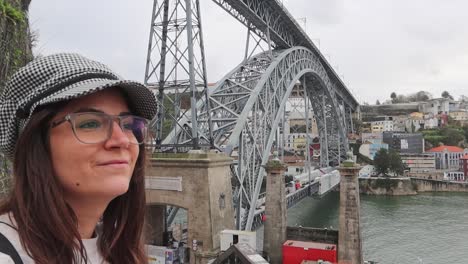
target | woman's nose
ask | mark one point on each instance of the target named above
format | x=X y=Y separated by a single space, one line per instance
x=117 y=137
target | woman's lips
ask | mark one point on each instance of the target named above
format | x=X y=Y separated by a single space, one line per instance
x=114 y=164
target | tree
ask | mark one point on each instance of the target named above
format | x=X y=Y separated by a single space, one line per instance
x=446 y=94
x=16 y=40
x=381 y=161
x=394 y=163
x=420 y=96
x=452 y=136
x=393 y=96
x=465 y=132
x=377 y=102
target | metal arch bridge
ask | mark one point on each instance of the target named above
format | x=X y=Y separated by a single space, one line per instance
x=245 y=110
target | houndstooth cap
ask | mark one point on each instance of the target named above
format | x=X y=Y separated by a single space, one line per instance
x=61 y=77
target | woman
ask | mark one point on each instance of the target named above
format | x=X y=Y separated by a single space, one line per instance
x=75 y=133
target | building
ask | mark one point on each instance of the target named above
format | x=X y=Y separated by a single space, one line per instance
x=369 y=149
x=460 y=116
x=295 y=164
x=374 y=138
x=381 y=126
x=404 y=143
x=448 y=157
x=296 y=141
x=454 y=176
x=435 y=106
x=464 y=165
x=420 y=165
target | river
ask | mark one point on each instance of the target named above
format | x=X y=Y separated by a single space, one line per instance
x=425 y=228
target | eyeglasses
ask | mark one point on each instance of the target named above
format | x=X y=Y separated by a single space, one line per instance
x=95 y=127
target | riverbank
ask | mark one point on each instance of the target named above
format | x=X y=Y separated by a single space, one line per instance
x=407 y=186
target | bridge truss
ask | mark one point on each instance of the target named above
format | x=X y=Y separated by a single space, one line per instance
x=243 y=114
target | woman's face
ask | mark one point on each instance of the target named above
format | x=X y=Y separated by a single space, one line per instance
x=101 y=170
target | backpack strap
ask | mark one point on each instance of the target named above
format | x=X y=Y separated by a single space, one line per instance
x=7 y=248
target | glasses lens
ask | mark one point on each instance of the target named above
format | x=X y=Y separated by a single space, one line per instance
x=136 y=128
x=91 y=127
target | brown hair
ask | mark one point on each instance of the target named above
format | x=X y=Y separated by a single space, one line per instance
x=47 y=225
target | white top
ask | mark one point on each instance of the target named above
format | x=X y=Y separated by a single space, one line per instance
x=90 y=245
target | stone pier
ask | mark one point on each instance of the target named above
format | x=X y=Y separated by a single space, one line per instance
x=199 y=182
x=349 y=237
x=275 y=212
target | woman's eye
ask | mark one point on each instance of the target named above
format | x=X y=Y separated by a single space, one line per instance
x=89 y=124
x=128 y=126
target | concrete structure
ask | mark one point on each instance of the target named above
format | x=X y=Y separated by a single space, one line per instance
x=419 y=163
x=423 y=185
x=349 y=242
x=275 y=211
x=448 y=157
x=386 y=186
x=319 y=235
x=199 y=182
x=369 y=112
x=408 y=186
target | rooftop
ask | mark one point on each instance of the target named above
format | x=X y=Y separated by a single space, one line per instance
x=448 y=148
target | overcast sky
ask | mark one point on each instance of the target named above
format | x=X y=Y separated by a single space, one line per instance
x=376 y=46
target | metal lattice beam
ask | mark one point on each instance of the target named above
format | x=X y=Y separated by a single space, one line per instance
x=270 y=16
x=247 y=108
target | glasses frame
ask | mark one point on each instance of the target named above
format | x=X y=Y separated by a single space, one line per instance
x=70 y=118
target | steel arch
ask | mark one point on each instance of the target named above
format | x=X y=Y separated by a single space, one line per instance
x=246 y=109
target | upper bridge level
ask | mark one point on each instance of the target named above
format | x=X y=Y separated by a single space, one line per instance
x=273 y=23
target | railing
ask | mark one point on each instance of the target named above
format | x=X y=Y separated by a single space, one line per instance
x=298 y=195
x=240 y=253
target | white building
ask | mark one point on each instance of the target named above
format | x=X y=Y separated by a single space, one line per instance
x=385 y=125
x=436 y=106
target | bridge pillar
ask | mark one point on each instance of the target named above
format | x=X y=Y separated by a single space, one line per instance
x=275 y=212
x=199 y=182
x=349 y=237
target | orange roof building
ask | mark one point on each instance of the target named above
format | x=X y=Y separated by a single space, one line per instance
x=446 y=148
x=448 y=157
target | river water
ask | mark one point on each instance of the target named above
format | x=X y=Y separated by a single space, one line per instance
x=425 y=228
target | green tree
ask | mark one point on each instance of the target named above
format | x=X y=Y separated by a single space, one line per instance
x=377 y=102
x=394 y=163
x=381 y=161
x=446 y=94
x=465 y=132
x=393 y=96
x=452 y=135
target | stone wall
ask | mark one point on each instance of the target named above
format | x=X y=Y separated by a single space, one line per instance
x=386 y=186
x=407 y=186
x=423 y=185
x=329 y=236
x=205 y=192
